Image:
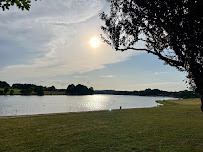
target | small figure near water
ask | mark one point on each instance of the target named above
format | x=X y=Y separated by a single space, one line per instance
x=120 y=107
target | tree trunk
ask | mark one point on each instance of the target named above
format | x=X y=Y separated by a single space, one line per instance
x=199 y=89
x=201 y=97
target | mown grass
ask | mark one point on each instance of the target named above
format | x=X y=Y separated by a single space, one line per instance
x=174 y=128
x=166 y=103
x=16 y=91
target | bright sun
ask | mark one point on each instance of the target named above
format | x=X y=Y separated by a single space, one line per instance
x=94 y=42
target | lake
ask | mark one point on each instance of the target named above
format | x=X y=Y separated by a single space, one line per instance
x=30 y=105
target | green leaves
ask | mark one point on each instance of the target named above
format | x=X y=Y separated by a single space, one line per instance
x=21 y=4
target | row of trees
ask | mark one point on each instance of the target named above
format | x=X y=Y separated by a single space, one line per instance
x=5 y=91
x=37 y=90
x=79 y=90
x=26 y=89
x=152 y=92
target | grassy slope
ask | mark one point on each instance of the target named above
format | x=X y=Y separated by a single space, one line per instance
x=169 y=128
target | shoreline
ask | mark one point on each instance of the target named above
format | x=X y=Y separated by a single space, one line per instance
x=64 y=113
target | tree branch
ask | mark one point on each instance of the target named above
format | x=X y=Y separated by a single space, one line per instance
x=167 y=60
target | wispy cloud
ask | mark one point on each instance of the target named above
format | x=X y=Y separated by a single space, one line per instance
x=157 y=73
x=108 y=76
x=80 y=77
x=52 y=40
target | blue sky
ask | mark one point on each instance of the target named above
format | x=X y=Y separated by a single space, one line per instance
x=49 y=45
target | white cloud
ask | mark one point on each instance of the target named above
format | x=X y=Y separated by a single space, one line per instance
x=80 y=77
x=56 y=38
x=107 y=76
x=157 y=73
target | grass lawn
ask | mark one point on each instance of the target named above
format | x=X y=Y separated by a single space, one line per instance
x=54 y=93
x=172 y=128
x=16 y=91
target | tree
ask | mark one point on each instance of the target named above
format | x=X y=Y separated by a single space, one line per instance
x=39 y=90
x=79 y=90
x=4 y=84
x=70 y=89
x=1 y=92
x=27 y=91
x=11 y=92
x=21 y=4
x=52 y=88
x=170 y=29
x=91 y=90
x=6 y=90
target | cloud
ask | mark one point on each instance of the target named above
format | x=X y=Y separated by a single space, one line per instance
x=80 y=77
x=53 y=40
x=157 y=73
x=108 y=76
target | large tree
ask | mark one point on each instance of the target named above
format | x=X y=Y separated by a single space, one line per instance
x=21 y=4
x=170 y=29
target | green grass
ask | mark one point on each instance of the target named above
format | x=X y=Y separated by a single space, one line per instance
x=54 y=93
x=174 y=128
x=16 y=91
x=166 y=103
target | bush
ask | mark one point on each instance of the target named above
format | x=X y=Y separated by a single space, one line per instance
x=11 y=92
x=6 y=90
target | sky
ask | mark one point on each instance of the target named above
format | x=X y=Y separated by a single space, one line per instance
x=50 y=45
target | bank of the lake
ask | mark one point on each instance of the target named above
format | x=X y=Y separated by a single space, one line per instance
x=175 y=127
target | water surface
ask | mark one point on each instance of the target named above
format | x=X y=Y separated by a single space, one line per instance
x=29 y=105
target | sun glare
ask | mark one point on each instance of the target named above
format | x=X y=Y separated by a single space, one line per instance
x=94 y=42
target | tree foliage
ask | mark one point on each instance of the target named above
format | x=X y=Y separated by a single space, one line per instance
x=4 y=84
x=12 y=92
x=27 y=91
x=170 y=29
x=21 y=4
x=6 y=90
x=39 y=90
x=152 y=92
x=79 y=90
x=1 y=92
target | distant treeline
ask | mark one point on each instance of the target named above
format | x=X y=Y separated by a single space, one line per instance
x=32 y=89
x=152 y=92
x=4 y=84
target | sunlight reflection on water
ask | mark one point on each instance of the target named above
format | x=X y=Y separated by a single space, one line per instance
x=29 y=105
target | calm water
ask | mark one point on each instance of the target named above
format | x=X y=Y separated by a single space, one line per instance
x=29 y=105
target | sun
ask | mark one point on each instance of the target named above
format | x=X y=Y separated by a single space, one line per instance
x=94 y=42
